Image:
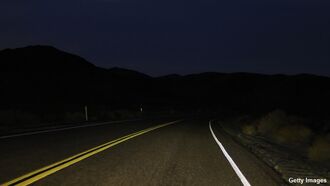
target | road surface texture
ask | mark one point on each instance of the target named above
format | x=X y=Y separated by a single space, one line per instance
x=184 y=153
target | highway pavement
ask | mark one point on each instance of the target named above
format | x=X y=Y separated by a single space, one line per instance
x=146 y=152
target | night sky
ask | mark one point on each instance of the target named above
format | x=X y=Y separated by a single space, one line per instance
x=160 y=37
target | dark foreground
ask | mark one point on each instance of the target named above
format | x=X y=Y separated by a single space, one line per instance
x=184 y=153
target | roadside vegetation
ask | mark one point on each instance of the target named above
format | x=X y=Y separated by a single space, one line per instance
x=10 y=120
x=292 y=131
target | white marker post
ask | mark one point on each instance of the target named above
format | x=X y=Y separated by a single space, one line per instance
x=86 y=113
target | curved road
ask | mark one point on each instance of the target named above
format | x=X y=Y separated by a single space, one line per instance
x=183 y=153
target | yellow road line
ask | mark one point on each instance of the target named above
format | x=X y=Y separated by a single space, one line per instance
x=45 y=171
x=60 y=162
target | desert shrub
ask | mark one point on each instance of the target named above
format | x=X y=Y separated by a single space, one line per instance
x=292 y=134
x=120 y=114
x=283 y=128
x=93 y=118
x=125 y=114
x=249 y=129
x=74 y=116
x=27 y=118
x=271 y=122
x=320 y=149
x=327 y=136
x=109 y=115
x=17 y=119
x=51 y=117
x=7 y=117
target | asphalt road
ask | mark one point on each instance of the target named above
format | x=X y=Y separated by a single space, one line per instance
x=183 y=153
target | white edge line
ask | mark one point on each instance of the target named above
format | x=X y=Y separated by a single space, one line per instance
x=61 y=129
x=231 y=161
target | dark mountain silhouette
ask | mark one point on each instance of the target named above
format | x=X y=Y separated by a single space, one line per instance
x=127 y=74
x=43 y=77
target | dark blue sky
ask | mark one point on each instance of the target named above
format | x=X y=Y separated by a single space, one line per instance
x=159 y=37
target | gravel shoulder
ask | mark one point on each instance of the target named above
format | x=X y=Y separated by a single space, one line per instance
x=286 y=163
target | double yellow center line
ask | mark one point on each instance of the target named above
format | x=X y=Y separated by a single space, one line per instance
x=48 y=170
